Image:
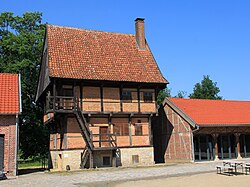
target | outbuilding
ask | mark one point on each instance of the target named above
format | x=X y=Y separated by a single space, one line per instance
x=198 y=129
x=10 y=108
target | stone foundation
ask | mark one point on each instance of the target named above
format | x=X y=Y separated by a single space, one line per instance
x=128 y=157
x=137 y=156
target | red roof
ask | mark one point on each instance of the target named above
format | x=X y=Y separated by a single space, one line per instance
x=215 y=112
x=9 y=93
x=95 y=55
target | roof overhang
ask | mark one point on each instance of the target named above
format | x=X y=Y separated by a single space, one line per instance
x=224 y=125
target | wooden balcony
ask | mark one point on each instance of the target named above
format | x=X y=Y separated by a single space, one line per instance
x=64 y=104
x=61 y=104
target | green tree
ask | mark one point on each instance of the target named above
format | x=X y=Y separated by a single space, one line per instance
x=181 y=94
x=21 y=41
x=162 y=95
x=207 y=89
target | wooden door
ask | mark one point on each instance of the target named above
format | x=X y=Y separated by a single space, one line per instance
x=104 y=137
x=1 y=152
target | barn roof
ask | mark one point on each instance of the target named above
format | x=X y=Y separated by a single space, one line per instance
x=9 y=93
x=213 y=112
x=94 y=55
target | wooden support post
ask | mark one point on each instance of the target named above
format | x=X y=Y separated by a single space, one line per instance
x=237 y=138
x=120 y=90
x=101 y=94
x=75 y=99
x=91 y=160
x=150 y=130
x=81 y=96
x=130 y=131
x=156 y=105
x=139 y=99
x=54 y=95
x=215 y=136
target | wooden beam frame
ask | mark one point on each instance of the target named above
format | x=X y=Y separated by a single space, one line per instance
x=120 y=89
x=101 y=95
x=139 y=99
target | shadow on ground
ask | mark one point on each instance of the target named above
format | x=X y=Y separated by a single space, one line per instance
x=30 y=170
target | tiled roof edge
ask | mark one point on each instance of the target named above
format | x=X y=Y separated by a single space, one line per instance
x=180 y=112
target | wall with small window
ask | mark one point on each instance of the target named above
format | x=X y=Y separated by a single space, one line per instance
x=147 y=102
x=129 y=100
x=140 y=132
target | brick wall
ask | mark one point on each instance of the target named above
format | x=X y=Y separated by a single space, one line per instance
x=179 y=146
x=111 y=100
x=8 y=128
x=172 y=137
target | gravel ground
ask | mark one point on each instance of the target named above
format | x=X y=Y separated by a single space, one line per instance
x=104 y=177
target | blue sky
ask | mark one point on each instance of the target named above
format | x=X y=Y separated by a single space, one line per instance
x=189 y=38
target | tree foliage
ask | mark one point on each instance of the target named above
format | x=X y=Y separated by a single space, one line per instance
x=181 y=94
x=21 y=41
x=162 y=95
x=207 y=89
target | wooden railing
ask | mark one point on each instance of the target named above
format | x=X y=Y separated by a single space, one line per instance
x=104 y=140
x=61 y=103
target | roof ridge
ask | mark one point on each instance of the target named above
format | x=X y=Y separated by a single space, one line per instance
x=211 y=100
x=89 y=30
x=9 y=74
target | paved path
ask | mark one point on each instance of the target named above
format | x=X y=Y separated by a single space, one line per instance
x=102 y=176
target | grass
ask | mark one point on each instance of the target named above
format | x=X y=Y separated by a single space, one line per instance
x=31 y=163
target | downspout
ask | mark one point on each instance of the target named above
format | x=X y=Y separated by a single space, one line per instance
x=15 y=169
x=197 y=127
x=20 y=93
x=17 y=122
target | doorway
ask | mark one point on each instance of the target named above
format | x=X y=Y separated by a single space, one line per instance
x=1 y=152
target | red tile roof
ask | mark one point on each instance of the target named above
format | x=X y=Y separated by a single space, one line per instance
x=95 y=55
x=215 y=112
x=9 y=93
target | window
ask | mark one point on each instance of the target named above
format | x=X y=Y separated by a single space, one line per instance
x=148 y=97
x=67 y=90
x=106 y=161
x=138 y=129
x=127 y=96
x=135 y=159
x=121 y=129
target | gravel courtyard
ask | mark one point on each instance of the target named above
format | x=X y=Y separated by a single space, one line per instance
x=139 y=176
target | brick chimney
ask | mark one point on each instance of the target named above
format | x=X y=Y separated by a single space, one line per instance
x=139 y=33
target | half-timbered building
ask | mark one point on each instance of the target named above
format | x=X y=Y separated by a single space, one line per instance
x=196 y=129
x=99 y=94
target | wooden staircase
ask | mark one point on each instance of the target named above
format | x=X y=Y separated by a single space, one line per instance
x=86 y=134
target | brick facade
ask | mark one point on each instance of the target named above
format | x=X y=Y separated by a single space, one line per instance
x=8 y=129
x=172 y=137
x=179 y=147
